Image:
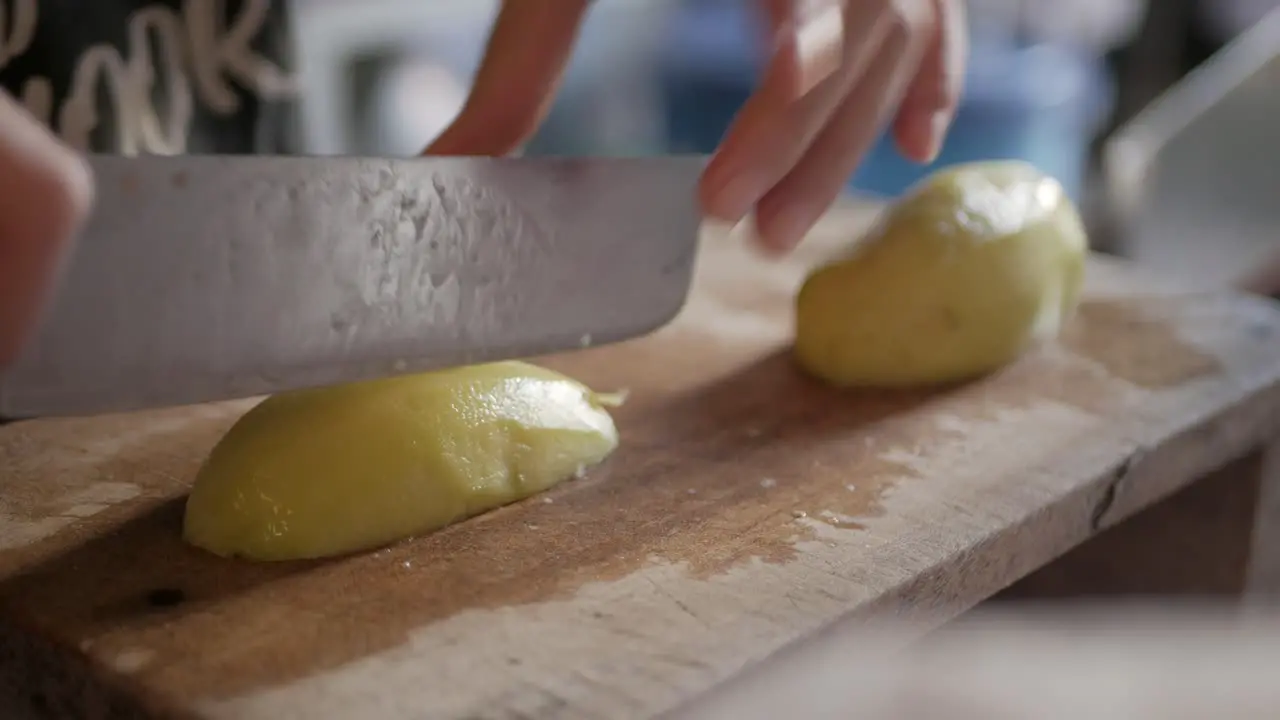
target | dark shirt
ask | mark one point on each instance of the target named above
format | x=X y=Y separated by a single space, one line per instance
x=154 y=76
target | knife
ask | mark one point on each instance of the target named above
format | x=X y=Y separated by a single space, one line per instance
x=202 y=278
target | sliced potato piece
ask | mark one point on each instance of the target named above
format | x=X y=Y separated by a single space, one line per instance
x=331 y=471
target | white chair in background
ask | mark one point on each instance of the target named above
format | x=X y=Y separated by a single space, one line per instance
x=1194 y=179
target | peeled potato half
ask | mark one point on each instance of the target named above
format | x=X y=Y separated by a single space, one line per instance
x=331 y=471
x=959 y=278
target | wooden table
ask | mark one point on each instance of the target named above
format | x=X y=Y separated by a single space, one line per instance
x=1101 y=662
x=752 y=519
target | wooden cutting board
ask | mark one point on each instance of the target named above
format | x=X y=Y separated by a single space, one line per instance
x=748 y=508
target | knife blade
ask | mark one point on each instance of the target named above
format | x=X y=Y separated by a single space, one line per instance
x=202 y=278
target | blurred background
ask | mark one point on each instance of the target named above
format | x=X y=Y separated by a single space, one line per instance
x=1162 y=117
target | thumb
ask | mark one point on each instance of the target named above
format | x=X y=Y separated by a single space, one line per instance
x=46 y=191
x=523 y=63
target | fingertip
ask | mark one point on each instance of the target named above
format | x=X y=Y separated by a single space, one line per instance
x=780 y=227
x=920 y=136
x=731 y=187
x=709 y=202
x=929 y=106
x=939 y=128
x=710 y=189
x=906 y=137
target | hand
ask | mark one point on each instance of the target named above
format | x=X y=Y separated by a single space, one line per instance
x=45 y=194
x=842 y=70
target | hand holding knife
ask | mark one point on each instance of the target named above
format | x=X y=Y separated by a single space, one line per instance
x=204 y=278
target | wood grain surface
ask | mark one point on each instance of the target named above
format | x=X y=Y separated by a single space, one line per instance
x=749 y=508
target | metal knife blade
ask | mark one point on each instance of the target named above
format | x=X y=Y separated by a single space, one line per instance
x=204 y=278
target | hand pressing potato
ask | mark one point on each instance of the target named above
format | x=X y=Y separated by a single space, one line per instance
x=840 y=71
